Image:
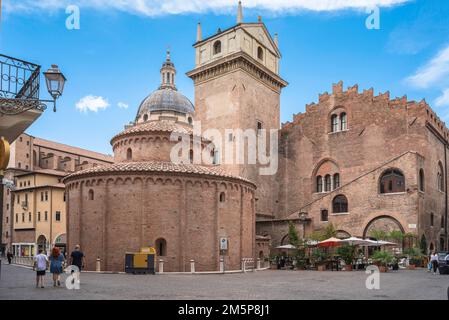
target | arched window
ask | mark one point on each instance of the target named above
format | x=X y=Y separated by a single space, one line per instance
x=129 y=154
x=319 y=184
x=191 y=156
x=334 y=123
x=431 y=219
x=343 y=121
x=189 y=119
x=222 y=197
x=392 y=181
x=336 y=181
x=217 y=47
x=327 y=183
x=440 y=177
x=340 y=204
x=259 y=53
x=145 y=117
x=161 y=247
x=91 y=194
x=442 y=221
x=421 y=180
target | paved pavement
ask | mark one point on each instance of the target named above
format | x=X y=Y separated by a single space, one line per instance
x=18 y=283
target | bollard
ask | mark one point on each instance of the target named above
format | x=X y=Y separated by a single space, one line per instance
x=192 y=266
x=98 y=265
x=258 y=263
x=243 y=265
x=221 y=265
x=161 y=266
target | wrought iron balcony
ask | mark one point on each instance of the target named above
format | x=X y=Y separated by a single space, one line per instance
x=19 y=86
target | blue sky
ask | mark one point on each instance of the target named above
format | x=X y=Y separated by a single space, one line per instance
x=117 y=53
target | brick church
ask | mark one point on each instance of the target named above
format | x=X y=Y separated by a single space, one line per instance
x=353 y=159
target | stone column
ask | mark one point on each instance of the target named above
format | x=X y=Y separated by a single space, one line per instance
x=192 y=266
x=221 y=264
x=161 y=266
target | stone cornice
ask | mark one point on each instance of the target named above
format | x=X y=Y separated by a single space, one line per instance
x=233 y=62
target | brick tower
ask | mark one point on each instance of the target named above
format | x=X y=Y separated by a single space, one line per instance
x=237 y=86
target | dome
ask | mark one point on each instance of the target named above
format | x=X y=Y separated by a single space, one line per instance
x=166 y=99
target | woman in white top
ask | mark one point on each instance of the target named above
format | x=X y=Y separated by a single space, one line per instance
x=434 y=261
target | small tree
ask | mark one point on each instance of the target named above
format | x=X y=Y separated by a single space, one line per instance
x=293 y=234
x=329 y=231
x=378 y=234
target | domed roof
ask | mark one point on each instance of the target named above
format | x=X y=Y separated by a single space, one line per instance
x=166 y=97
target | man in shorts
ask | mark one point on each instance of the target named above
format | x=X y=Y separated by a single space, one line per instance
x=40 y=265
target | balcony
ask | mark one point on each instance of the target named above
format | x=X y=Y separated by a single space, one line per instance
x=19 y=96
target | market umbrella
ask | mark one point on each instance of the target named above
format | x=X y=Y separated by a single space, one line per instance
x=331 y=242
x=374 y=243
x=354 y=241
x=286 y=246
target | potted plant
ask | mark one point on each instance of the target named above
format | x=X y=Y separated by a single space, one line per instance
x=415 y=257
x=382 y=259
x=347 y=253
x=320 y=259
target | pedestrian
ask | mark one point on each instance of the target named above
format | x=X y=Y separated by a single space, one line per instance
x=9 y=256
x=434 y=261
x=40 y=265
x=56 y=261
x=77 y=258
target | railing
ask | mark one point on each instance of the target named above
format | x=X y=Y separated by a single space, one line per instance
x=19 y=86
x=19 y=79
x=23 y=261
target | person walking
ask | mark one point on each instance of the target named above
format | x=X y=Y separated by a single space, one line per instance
x=77 y=258
x=9 y=257
x=434 y=261
x=56 y=261
x=40 y=265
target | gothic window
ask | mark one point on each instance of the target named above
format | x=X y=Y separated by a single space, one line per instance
x=259 y=53
x=440 y=177
x=161 y=247
x=222 y=197
x=336 y=181
x=392 y=181
x=340 y=204
x=421 y=180
x=324 y=215
x=327 y=183
x=217 y=47
x=334 y=123
x=343 y=121
x=129 y=154
x=319 y=184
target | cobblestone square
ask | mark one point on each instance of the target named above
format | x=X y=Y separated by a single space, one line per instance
x=19 y=283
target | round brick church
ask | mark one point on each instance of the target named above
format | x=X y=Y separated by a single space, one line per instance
x=145 y=199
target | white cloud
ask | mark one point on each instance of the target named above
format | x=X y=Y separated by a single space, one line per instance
x=158 y=7
x=92 y=103
x=443 y=100
x=122 y=105
x=435 y=72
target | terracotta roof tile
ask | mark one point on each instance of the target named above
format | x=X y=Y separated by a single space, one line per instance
x=157 y=125
x=155 y=167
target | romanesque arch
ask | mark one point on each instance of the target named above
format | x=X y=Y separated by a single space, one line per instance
x=383 y=223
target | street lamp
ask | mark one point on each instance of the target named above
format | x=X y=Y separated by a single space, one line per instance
x=55 y=81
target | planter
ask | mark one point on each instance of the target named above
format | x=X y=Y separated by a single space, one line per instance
x=383 y=269
x=321 y=267
x=348 y=267
x=411 y=267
